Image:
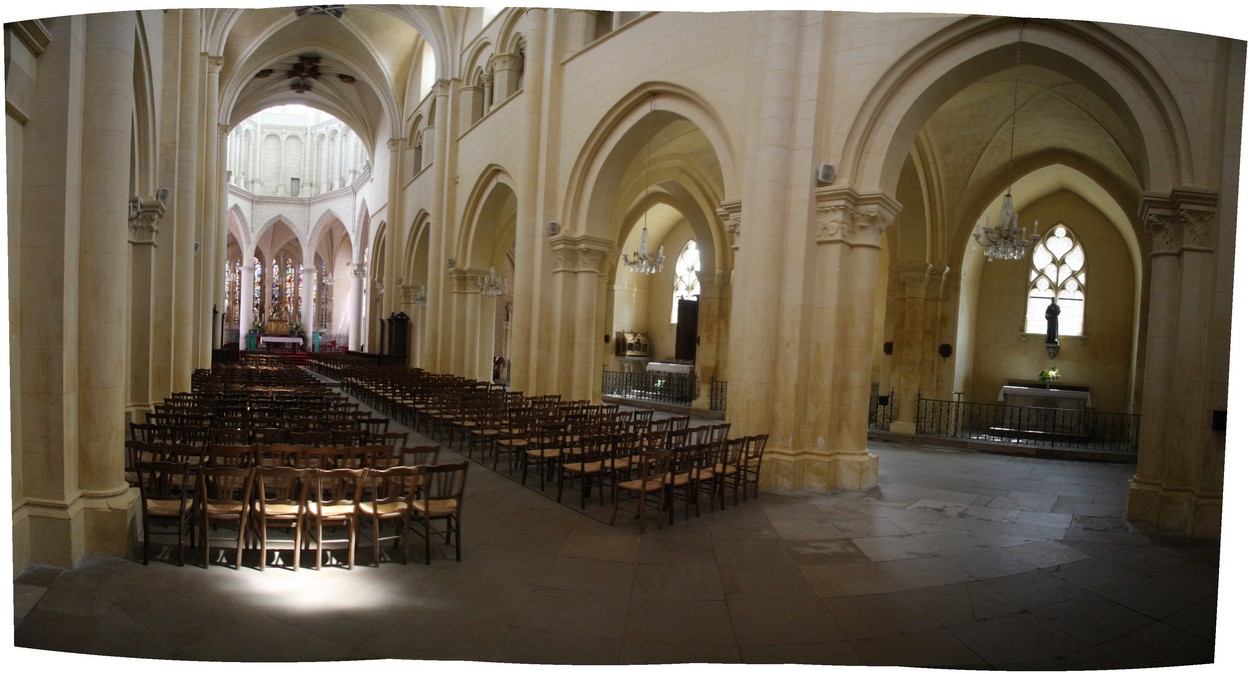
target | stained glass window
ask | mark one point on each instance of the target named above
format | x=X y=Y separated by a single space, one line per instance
x=258 y=287
x=275 y=287
x=1057 y=271
x=685 y=275
x=288 y=289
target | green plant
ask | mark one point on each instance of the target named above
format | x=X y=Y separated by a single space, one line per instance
x=1048 y=375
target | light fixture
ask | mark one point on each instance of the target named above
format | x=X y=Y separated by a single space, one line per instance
x=642 y=261
x=492 y=284
x=1008 y=241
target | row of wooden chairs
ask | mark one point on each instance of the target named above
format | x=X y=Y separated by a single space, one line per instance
x=253 y=500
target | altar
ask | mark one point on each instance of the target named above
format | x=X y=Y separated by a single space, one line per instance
x=1028 y=396
x=679 y=368
x=292 y=342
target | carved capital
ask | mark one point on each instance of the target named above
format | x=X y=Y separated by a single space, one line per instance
x=581 y=254
x=1182 y=219
x=730 y=214
x=215 y=64
x=396 y=145
x=847 y=217
x=503 y=62
x=145 y=225
x=464 y=280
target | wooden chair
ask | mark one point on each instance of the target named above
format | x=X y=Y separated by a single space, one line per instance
x=588 y=459
x=388 y=496
x=441 y=498
x=233 y=456
x=333 y=497
x=420 y=455
x=279 y=502
x=752 y=459
x=728 y=467
x=515 y=438
x=166 y=492
x=225 y=498
x=651 y=484
x=229 y=436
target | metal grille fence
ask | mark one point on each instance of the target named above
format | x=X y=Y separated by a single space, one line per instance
x=674 y=388
x=1036 y=426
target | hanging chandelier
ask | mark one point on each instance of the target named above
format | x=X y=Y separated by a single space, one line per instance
x=1008 y=241
x=492 y=284
x=642 y=261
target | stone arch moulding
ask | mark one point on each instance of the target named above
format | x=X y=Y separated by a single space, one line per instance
x=326 y=220
x=914 y=87
x=491 y=176
x=409 y=263
x=236 y=224
x=612 y=128
x=269 y=224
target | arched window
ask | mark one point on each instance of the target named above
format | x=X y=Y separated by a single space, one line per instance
x=1057 y=271
x=685 y=275
x=258 y=287
x=288 y=289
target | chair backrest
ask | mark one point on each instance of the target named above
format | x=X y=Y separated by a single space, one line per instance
x=279 y=454
x=654 y=465
x=224 y=485
x=420 y=455
x=390 y=485
x=165 y=481
x=279 y=485
x=443 y=482
x=755 y=447
x=334 y=486
x=237 y=456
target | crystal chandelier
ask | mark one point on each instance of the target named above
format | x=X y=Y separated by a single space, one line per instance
x=642 y=261
x=1008 y=241
x=492 y=285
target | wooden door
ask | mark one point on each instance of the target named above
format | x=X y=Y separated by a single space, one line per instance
x=687 y=329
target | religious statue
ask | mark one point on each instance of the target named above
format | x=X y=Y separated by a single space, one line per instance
x=1052 y=328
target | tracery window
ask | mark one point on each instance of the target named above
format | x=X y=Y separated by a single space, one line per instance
x=1057 y=271
x=288 y=289
x=275 y=287
x=685 y=275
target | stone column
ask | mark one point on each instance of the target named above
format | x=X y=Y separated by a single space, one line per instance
x=210 y=179
x=762 y=277
x=908 y=344
x=713 y=286
x=507 y=71
x=186 y=203
x=143 y=230
x=108 y=106
x=532 y=267
x=307 y=281
x=354 y=307
x=580 y=267
x=1177 y=441
x=830 y=448
x=247 y=288
x=465 y=316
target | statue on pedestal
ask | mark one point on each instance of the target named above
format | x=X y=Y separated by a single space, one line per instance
x=1052 y=329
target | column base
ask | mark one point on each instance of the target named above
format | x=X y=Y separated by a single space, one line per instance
x=797 y=470
x=1174 y=510
x=59 y=534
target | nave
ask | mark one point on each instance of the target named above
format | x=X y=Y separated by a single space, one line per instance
x=956 y=559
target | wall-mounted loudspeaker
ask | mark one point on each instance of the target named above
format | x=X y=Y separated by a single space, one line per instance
x=825 y=173
x=553 y=228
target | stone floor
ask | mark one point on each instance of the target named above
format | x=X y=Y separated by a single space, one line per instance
x=956 y=559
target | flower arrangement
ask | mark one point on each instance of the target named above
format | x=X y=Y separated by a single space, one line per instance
x=1048 y=375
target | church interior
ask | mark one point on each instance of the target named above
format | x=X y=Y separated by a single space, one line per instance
x=970 y=278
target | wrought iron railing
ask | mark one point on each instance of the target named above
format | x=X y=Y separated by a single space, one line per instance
x=674 y=388
x=882 y=410
x=718 y=395
x=1035 y=426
